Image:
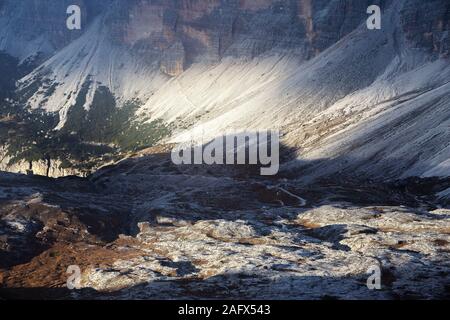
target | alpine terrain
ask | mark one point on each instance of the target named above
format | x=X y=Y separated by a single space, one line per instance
x=89 y=117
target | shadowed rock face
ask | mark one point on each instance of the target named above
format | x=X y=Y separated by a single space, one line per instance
x=193 y=30
x=431 y=30
x=33 y=27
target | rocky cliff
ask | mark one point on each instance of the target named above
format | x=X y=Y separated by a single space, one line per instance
x=34 y=29
x=52 y=168
x=430 y=30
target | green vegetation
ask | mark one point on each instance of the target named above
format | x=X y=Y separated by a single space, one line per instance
x=88 y=137
x=109 y=124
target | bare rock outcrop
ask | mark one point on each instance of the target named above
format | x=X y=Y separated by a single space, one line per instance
x=173 y=60
x=47 y=168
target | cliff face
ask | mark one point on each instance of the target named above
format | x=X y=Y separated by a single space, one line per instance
x=206 y=29
x=363 y=113
x=179 y=33
x=46 y=168
x=173 y=60
x=36 y=29
x=430 y=30
x=52 y=168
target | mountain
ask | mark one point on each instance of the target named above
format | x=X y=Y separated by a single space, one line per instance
x=177 y=69
x=91 y=117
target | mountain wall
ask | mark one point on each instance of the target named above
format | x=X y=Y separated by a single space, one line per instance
x=348 y=99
